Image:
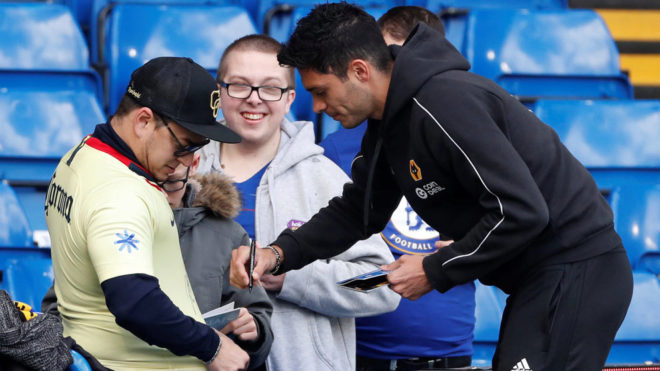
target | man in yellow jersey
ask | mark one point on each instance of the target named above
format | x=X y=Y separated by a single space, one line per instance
x=121 y=284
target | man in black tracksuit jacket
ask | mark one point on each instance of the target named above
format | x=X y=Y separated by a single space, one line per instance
x=480 y=168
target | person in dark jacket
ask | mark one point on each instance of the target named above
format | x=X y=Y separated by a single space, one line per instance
x=478 y=167
x=443 y=323
x=203 y=210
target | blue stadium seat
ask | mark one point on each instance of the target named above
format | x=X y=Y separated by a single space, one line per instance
x=140 y=32
x=45 y=38
x=26 y=273
x=14 y=228
x=280 y=26
x=82 y=12
x=43 y=114
x=638 y=339
x=25 y=270
x=278 y=17
x=536 y=54
x=100 y=9
x=488 y=312
x=618 y=142
x=442 y=5
x=79 y=362
x=454 y=12
x=39 y=36
x=49 y=97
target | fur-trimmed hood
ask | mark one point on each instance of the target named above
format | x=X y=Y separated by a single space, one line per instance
x=215 y=192
x=206 y=194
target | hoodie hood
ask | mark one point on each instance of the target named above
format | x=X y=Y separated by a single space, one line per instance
x=425 y=54
x=296 y=144
x=211 y=193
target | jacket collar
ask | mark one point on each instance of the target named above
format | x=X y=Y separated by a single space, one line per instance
x=106 y=140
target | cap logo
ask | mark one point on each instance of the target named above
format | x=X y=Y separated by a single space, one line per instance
x=133 y=92
x=215 y=102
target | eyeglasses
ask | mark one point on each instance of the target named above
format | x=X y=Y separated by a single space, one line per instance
x=265 y=93
x=175 y=184
x=183 y=150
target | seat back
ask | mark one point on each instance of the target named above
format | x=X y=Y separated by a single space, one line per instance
x=49 y=98
x=100 y=9
x=536 y=54
x=440 y=5
x=488 y=313
x=280 y=24
x=43 y=115
x=638 y=338
x=618 y=142
x=27 y=273
x=14 y=228
x=278 y=17
x=40 y=36
x=25 y=270
x=140 y=32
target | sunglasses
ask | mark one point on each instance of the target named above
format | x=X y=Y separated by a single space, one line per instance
x=183 y=150
x=175 y=184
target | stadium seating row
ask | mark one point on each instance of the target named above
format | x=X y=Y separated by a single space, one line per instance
x=533 y=54
x=578 y=59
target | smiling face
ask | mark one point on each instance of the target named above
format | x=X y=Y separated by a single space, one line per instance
x=255 y=120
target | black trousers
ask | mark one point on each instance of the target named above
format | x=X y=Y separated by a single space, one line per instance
x=565 y=316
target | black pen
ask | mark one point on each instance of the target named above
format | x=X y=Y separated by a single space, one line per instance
x=253 y=250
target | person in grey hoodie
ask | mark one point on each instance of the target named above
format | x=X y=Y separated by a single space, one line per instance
x=284 y=179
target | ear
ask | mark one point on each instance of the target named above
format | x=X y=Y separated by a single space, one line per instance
x=290 y=97
x=359 y=69
x=195 y=163
x=143 y=122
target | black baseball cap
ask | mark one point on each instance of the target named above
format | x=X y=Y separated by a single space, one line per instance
x=183 y=91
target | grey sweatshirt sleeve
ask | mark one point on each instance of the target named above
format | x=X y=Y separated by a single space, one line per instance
x=315 y=286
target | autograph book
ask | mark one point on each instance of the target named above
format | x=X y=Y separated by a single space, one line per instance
x=366 y=282
x=219 y=318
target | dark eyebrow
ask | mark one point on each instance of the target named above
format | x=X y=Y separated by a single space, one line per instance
x=313 y=89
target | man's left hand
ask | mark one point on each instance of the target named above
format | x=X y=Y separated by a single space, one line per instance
x=273 y=283
x=407 y=277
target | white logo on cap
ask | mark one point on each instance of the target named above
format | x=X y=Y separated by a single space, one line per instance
x=215 y=102
x=133 y=92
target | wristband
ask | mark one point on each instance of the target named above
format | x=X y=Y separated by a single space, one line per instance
x=216 y=352
x=278 y=259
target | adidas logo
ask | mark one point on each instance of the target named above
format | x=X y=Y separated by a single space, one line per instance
x=522 y=366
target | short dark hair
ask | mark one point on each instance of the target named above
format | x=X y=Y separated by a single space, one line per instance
x=331 y=36
x=400 y=21
x=255 y=42
x=126 y=105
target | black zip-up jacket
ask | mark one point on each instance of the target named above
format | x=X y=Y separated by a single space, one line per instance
x=475 y=164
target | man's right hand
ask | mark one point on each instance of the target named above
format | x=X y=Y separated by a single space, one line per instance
x=230 y=356
x=265 y=261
